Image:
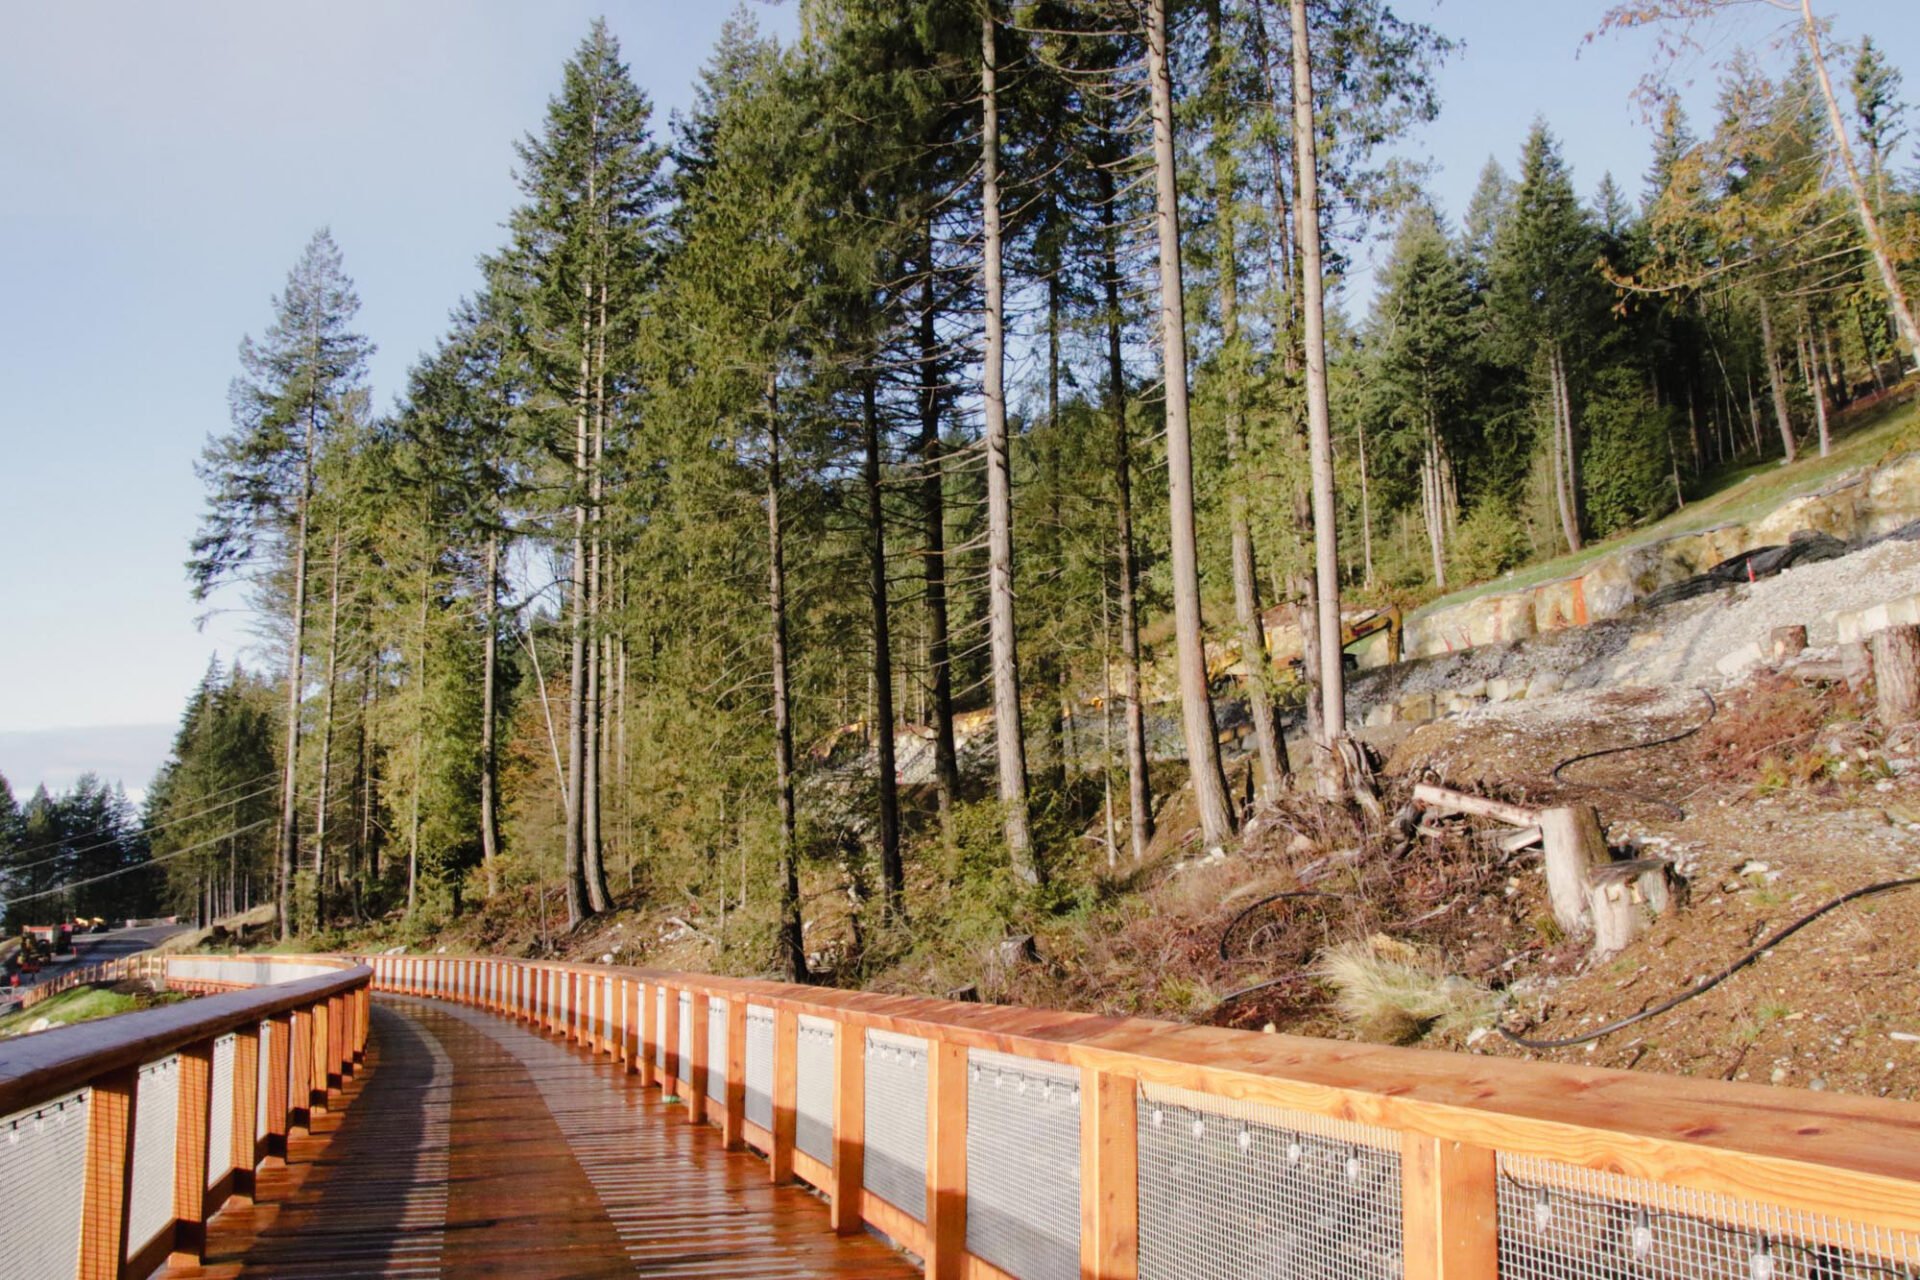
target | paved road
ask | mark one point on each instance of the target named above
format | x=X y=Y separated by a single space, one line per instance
x=94 y=948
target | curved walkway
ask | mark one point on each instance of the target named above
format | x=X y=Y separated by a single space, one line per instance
x=472 y=1146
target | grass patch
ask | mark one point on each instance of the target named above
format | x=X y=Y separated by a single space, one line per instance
x=82 y=1004
x=1396 y=992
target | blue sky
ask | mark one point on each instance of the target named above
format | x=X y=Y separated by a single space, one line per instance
x=162 y=164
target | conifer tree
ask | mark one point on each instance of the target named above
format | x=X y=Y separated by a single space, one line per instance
x=583 y=249
x=295 y=384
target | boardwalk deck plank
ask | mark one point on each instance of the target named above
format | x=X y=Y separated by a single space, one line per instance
x=471 y=1146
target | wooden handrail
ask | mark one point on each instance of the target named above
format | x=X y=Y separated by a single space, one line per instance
x=1853 y=1161
x=105 y=1058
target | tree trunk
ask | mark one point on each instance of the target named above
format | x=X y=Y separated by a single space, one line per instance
x=946 y=759
x=1333 y=683
x=578 y=904
x=1863 y=206
x=892 y=872
x=1246 y=589
x=1000 y=629
x=1366 y=505
x=326 y=742
x=1896 y=674
x=1556 y=454
x=1775 y=381
x=593 y=862
x=489 y=678
x=1570 y=448
x=1196 y=704
x=793 y=953
x=296 y=653
x=419 y=750
x=1139 y=783
x=1816 y=384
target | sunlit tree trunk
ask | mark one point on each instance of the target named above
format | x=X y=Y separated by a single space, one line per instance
x=1196 y=704
x=1000 y=632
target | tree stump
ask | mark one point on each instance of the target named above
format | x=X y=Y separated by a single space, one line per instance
x=1896 y=674
x=1574 y=845
x=1786 y=642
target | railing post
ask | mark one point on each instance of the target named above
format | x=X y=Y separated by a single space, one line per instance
x=317 y=1063
x=946 y=1160
x=670 y=1015
x=786 y=1093
x=649 y=1033
x=1449 y=1198
x=577 y=1026
x=1109 y=1177
x=849 y=1129
x=300 y=1073
x=244 y=1134
x=598 y=1003
x=107 y=1192
x=697 y=1074
x=192 y=1131
x=280 y=1056
x=336 y=1041
x=734 y=1115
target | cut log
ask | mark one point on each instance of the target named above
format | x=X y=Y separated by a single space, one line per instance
x=1896 y=674
x=1429 y=796
x=1521 y=839
x=1786 y=642
x=1574 y=846
x=1858 y=660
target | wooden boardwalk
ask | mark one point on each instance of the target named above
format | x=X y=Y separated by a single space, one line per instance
x=471 y=1146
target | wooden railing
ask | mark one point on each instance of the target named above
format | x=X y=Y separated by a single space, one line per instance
x=143 y=964
x=87 y=1080
x=1203 y=1151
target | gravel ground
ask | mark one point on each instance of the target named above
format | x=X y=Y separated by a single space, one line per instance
x=1677 y=645
x=1681 y=644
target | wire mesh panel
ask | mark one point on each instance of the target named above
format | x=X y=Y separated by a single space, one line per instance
x=1241 y=1189
x=156 y=1109
x=896 y=1122
x=220 y=1126
x=760 y=1066
x=717 y=1049
x=813 y=1088
x=660 y=1028
x=1023 y=1165
x=43 y=1164
x=1562 y=1222
x=262 y=1115
x=683 y=1069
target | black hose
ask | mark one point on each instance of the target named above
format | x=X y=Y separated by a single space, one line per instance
x=1713 y=709
x=1226 y=934
x=1707 y=984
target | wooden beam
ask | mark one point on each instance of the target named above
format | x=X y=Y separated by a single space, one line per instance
x=106 y=1194
x=244 y=1133
x=649 y=1033
x=1109 y=1177
x=849 y=1127
x=733 y=1122
x=1450 y=1213
x=279 y=1083
x=192 y=1133
x=786 y=1078
x=946 y=1160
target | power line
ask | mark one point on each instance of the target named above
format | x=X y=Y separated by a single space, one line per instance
x=53 y=844
x=142 y=866
x=11 y=868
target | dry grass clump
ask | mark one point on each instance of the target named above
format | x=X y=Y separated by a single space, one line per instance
x=1396 y=992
